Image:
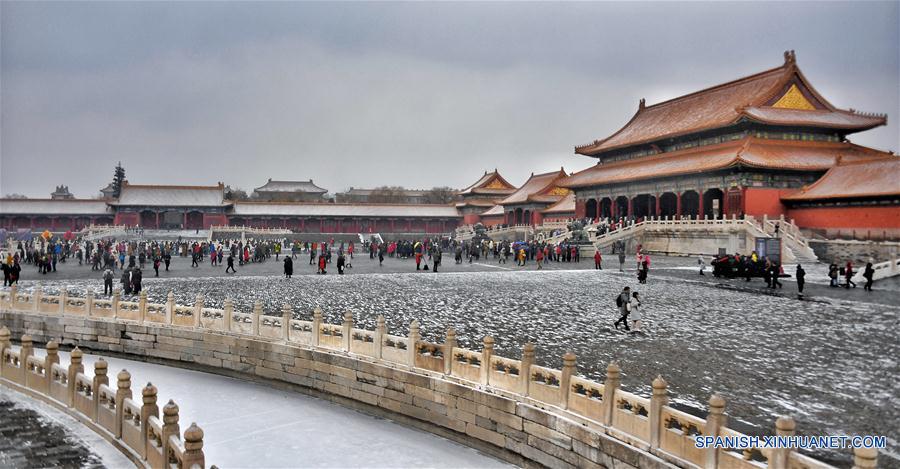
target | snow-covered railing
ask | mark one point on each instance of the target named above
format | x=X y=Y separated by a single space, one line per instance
x=647 y=423
x=110 y=411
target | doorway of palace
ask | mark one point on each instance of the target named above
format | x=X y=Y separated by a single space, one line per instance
x=621 y=206
x=194 y=220
x=668 y=204
x=605 y=207
x=690 y=203
x=590 y=208
x=713 y=203
x=148 y=219
x=643 y=206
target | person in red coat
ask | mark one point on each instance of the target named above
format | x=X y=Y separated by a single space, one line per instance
x=322 y=264
x=598 y=259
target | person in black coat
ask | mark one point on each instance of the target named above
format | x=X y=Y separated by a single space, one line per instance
x=801 y=279
x=341 y=260
x=136 y=278
x=288 y=267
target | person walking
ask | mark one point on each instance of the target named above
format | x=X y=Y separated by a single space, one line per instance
x=848 y=275
x=775 y=272
x=623 y=302
x=635 y=314
x=107 y=282
x=833 y=275
x=125 y=280
x=156 y=265
x=701 y=261
x=622 y=260
x=598 y=260
x=539 y=258
x=341 y=260
x=801 y=279
x=436 y=259
x=868 y=274
x=322 y=264
x=288 y=267
x=167 y=259
x=230 y=264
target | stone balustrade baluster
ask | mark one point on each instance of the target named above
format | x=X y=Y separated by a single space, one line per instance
x=114 y=302
x=412 y=343
x=228 y=312
x=123 y=390
x=610 y=386
x=75 y=367
x=715 y=422
x=255 y=317
x=89 y=303
x=101 y=369
x=193 y=447
x=346 y=331
x=170 y=307
x=316 y=326
x=169 y=426
x=148 y=409
x=36 y=299
x=63 y=299
x=487 y=352
x=27 y=349
x=4 y=344
x=198 y=309
x=380 y=330
x=286 y=315
x=525 y=372
x=449 y=344
x=14 y=297
x=565 y=379
x=780 y=458
x=142 y=307
x=52 y=357
x=865 y=458
x=658 y=400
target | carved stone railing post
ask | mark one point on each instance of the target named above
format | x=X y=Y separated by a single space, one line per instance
x=27 y=349
x=658 y=400
x=4 y=344
x=380 y=330
x=89 y=302
x=114 y=302
x=169 y=426
x=193 y=447
x=14 y=297
x=52 y=357
x=449 y=343
x=780 y=458
x=565 y=379
x=525 y=372
x=198 y=309
x=228 y=313
x=610 y=386
x=487 y=352
x=170 y=307
x=63 y=299
x=148 y=409
x=142 y=307
x=412 y=343
x=346 y=331
x=75 y=367
x=316 y=326
x=101 y=368
x=36 y=299
x=715 y=421
x=286 y=316
x=123 y=390
x=255 y=316
x=865 y=458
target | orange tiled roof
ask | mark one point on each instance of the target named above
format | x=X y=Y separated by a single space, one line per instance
x=496 y=210
x=749 y=151
x=491 y=183
x=534 y=186
x=868 y=178
x=751 y=97
x=565 y=205
x=476 y=203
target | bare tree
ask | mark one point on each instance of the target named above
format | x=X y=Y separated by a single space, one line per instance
x=440 y=195
x=14 y=195
x=387 y=195
x=235 y=193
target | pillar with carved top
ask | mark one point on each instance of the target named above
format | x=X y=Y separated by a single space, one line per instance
x=148 y=409
x=193 y=447
x=658 y=400
x=169 y=425
x=449 y=344
x=525 y=372
x=486 y=353
x=123 y=391
x=566 y=378
x=346 y=331
x=715 y=422
x=610 y=386
x=52 y=357
x=412 y=343
x=75 y=367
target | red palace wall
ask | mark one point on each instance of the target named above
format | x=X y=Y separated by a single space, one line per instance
x=847 y=217
x=493 y=220
x=210 y=219
x=760 y=201
x=471 y=219
x=579 y=208
x=128 y=218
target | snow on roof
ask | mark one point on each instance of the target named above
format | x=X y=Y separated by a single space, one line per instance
x=291 y=186
x=53 y=207
x=344 y=210
x=172 y=196
x=495 y=210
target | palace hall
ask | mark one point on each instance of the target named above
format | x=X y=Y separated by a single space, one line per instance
x=746 y=147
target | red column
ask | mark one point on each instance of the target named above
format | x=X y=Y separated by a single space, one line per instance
x=678 y=204
x=658 y=211
x=630 y=206
x=725 y=204
x=184 y=222
x=614 y=207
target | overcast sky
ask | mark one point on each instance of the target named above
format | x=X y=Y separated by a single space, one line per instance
x=368 y=94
